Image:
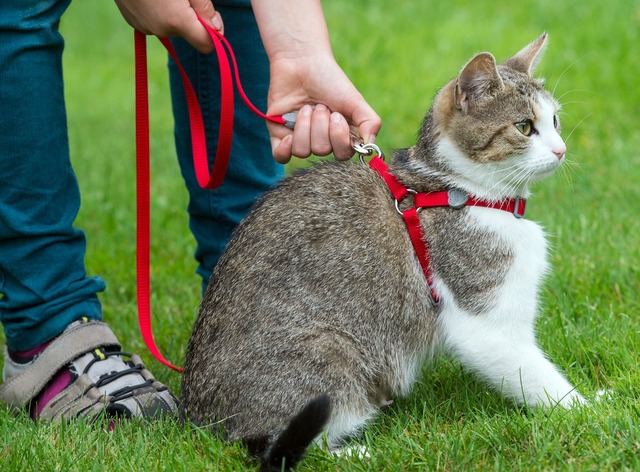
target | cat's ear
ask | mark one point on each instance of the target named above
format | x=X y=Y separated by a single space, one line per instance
x=479 y=77
x=528 y=58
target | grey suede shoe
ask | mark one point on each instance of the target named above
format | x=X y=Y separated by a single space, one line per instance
x=102 y=378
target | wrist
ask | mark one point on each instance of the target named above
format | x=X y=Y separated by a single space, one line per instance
x=292 y=29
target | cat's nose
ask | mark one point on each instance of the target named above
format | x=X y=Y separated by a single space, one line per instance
x=559 y=151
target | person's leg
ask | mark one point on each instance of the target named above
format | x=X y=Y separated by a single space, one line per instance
x=60 y=362
x=213 y=215
x=43 y=282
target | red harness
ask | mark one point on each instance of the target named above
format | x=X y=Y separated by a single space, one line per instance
x=449 y=198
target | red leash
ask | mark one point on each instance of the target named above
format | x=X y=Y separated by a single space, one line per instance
x=449 y=198
x=206 y=179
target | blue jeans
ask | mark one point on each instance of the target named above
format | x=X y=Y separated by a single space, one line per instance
x=43 y=283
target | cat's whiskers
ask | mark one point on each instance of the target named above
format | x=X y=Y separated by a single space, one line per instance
x=519 y=180
x=568 y=175
x=565 y=71
x=566 y=140
x=571 y=91
x=573 y=102
x=515 y=180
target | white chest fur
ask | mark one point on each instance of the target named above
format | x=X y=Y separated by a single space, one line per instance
x=529 y=245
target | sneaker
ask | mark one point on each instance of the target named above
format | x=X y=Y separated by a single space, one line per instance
x=83 y=373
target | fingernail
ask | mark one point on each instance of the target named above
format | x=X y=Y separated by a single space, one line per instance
x=306 y=110
x=321 y=107
x=216 y=21
x=371 y=139
x=336 y=117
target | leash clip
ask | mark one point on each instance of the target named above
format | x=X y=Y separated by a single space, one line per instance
x=363 y=150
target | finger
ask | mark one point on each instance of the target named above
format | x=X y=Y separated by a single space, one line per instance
x=205 y=10
x=208 y=13
x=369 y=126
x=320 y=141
x=217 y=23
x=364 y=117
x=196 y=34
x=369 y=129
x=199 y=40
x=190 y=28
x=302 y=133
x=340 y=137
x=282 y=149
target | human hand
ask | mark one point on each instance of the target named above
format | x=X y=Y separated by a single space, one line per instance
x=329 y=108
x=306 y=78
x=169 y=18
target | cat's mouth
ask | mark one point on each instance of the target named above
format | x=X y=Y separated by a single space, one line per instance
x=548 y=167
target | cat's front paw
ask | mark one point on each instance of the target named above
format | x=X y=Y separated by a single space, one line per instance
x=568 y=400
x=571 y=400
x=574 y=399
x=603 y=394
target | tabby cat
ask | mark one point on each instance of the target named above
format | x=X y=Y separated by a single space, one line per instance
x=319 y=312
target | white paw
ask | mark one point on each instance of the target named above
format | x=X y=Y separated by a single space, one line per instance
x=356 y=450
x=604 y=394
x=572 y=400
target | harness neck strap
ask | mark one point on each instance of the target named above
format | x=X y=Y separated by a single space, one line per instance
x=453 y=198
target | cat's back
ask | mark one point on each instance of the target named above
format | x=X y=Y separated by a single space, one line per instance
x=326 y=235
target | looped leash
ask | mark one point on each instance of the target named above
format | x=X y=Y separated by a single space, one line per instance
x=453 y=198
x=206 y=179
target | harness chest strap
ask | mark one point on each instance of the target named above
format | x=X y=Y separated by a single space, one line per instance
x=453 y=198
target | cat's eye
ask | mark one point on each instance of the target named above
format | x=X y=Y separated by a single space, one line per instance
x=525 y=127
x=556 y=122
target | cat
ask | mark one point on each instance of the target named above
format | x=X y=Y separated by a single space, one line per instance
x=319 y=312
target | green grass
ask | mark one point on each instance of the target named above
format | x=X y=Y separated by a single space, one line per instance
x=398 y=54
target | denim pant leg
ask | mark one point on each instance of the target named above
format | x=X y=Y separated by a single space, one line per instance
x=43 y=284
x=213 y=214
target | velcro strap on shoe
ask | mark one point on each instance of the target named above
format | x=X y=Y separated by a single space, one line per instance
x=73 y=342
x=80 y=398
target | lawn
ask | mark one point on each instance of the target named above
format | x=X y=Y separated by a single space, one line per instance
x=398 y=53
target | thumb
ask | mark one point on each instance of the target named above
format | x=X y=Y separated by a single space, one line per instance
x=194 y=32
x=205 y=10
x=366 y=120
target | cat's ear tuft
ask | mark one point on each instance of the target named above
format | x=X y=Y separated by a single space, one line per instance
x=479 y=77
x=529 y=57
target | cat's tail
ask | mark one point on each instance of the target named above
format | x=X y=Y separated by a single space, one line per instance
x=289 y=447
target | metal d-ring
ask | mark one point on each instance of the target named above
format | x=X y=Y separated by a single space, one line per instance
x=399 y=201
x=367 y=150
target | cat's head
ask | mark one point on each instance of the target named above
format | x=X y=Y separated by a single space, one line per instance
x=496 y=127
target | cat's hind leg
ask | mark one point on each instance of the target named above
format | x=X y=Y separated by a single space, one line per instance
x=346 y=421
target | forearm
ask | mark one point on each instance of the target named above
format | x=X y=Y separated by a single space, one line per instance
x=291 y=29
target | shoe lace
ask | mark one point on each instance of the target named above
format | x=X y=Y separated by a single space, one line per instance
x=127 y=391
